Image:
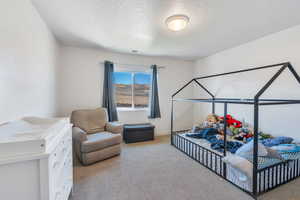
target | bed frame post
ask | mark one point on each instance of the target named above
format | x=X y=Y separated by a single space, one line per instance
x=255 y=148
x=172 y=108
x=255 y=138
x=213 y=106
x=225 y=138
x=289 y=65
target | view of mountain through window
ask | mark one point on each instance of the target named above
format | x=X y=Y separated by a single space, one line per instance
x=132 y=89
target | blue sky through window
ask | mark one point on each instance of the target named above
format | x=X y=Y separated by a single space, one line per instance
x=142 y=78
x=122 y=78
x=125 y=78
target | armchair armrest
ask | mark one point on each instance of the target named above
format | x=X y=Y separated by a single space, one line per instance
x=114 y=127
x=79 y=135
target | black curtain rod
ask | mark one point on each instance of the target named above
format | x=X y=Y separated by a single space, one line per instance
x=137 y=65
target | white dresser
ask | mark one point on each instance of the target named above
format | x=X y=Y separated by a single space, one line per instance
x=36 y=159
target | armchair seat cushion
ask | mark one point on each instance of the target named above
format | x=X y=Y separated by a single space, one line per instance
x=100 y=141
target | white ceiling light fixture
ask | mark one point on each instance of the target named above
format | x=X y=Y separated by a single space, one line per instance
x=177 y=22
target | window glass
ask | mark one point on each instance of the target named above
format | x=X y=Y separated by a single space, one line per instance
x=141 y=90
x=132 y=89
x=123 y=89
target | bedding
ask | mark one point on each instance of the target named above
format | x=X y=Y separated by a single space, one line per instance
x=239 y=159
x=240 y=163
x=239 y=172
x=204 y=133
x=245 y=165
x=231 y=146
x=267 y=155
x=273 y=154
x=273 y=157
x=286 y=148
x=213 y=137
x=247 y=150
x=288 y=151
x=196 y=129
x=291 y=155
x=264 y=160
x=277 y=158
x=270 y=142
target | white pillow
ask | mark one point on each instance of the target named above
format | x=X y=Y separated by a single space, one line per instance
x=246 y=150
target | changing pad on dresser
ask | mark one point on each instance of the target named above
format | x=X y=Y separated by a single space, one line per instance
x=29 y=135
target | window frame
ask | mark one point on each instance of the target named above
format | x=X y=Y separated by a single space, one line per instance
x=133 y=108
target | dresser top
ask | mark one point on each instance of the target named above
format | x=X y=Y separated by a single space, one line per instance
x=31 y=137
x=31 y=128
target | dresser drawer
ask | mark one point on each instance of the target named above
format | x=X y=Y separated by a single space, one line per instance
x=63 y=148
x=63 y=181
x=67 y=182
x=61 y=167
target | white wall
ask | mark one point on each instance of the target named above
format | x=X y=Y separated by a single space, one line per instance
x=81 y=80
x=27 y=62
x=279 y=47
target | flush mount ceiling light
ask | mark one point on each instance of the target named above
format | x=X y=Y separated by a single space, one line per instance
x=177 y=22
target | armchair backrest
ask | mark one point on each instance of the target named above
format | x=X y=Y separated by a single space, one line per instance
x=90 y=120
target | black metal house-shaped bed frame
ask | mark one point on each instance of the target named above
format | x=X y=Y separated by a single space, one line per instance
x=263 y=180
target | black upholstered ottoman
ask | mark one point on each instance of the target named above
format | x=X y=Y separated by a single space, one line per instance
x=138 y=132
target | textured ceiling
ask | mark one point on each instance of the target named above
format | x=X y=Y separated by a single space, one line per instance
x=124 y=25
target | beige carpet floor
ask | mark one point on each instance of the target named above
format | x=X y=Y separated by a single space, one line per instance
x=157 y=171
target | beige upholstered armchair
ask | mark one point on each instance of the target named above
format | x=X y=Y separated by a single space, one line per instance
x=95 y=138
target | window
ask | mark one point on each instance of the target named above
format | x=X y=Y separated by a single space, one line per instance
x=132 y=89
